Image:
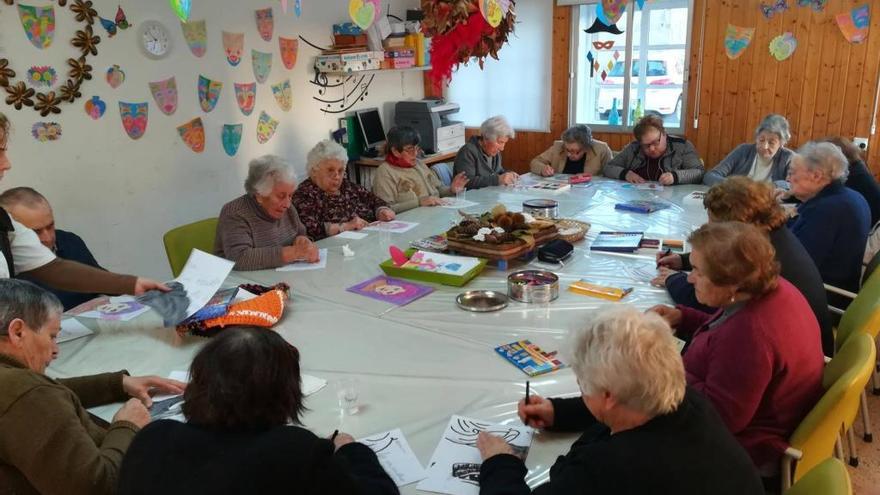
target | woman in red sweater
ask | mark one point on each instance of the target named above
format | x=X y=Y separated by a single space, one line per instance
x=757 y=358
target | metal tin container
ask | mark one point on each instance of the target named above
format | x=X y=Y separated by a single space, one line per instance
x=541 y=208
x=533 y=286
x=481 y=301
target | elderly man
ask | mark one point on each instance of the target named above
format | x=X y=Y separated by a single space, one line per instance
x=480 y=158
x=48 y=444
x=656 y=156
x=33 y=210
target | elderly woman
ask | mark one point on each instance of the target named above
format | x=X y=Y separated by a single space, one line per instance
x=403 y=181
x=577 y=154
x=243 y=433
x=48 y=442
x=261 y=229
x=833 y=220
x=480 y=157
x=859 y=178
x=656 y=156
x=758 y=358
x=742 y=199
x=638 y=435
x=765 y=160
x=330 y=203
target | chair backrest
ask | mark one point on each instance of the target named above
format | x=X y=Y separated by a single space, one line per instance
x=444 y=172
x=863 y=314
x=871 y=265
x=180 y=241
x=829 y=477
x=844 y=379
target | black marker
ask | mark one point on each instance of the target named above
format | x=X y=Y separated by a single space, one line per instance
x=333 y=436
x=527 y=392
x=665 y=254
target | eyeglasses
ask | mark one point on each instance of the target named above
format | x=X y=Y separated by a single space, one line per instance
x=652 y=144
x=411 y=148
x=336 y=172
x=573 y=151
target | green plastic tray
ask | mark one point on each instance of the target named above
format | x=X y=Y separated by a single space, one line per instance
x=390 y=269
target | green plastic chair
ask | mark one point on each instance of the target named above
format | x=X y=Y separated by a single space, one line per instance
x=828 y=478
x=180 y=241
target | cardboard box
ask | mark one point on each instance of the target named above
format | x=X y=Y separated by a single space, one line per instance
x=400 y=62
x=349 y=39
x=349 y=62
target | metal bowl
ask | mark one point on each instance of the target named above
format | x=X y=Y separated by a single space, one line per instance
x=481 y=301
x=533 y=286
x=541 y=208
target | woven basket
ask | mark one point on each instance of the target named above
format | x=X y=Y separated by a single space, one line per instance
x=572 y=230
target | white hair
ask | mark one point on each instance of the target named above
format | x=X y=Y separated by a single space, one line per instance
x=264 y=172
x=826 y=158
x=631 y=355
x=496 y=127
x=324 y=151
x=776 y=124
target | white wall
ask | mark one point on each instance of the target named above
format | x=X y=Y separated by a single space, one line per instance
x=121 y=195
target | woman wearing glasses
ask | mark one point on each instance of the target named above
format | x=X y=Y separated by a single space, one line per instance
x=577 y=154
x=656 y=156
x=403 y=181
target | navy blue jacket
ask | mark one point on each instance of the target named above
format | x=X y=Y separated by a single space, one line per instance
x=861 y=181
x=70 y=246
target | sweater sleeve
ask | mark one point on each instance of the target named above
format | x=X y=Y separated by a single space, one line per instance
x=724 y=168
x=385 y=188
x=571 y=414
x=813 y=235
x=237 y=241
x=691 y=171
x=364 y=466
x=691 y=320
x=539 y=162
x=59 y=457
x=620 y=164
x=76 y=277
x=503 y=474
x=682 y=292
x=97 y=390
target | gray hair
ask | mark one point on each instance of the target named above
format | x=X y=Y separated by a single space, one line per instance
x=20 y=299
x=826 y=158
x=496 y=127
x=324 y=151
x=5 y=126
x=633 y=356
x=579 y=134
x=265 y=171
x=25 y=196
x=777 y=124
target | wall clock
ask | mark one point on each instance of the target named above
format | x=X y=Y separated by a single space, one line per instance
x=154 y=39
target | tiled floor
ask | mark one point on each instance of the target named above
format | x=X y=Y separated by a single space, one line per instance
x=866 y=477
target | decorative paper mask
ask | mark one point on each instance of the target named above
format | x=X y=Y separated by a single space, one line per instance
x=607 y=45
x=262 y=65
x=265 y=23
x=38 y=24
x=613 y=9
x=233 y=44
x=209 y=93
x=776 y=7
x=134 y=118
x=817 y=5
x=600 y=27
x=283 y=95
x=115 y=76
x=289 y=49
x=231 y=138
x=95 y=107
x=193 y=134
x=42 y=76
x=491 y=10
x=782 y=46
x=196 y=35
x=165 y=95
x=181 y=8
x=266 y=128
x=736 y=40
x=854 y=24
x=246 y=96
x=364 y=12
x=46 y=131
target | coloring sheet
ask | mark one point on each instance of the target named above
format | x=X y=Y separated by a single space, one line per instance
x=456 y=203
x=116 y=308
x=201 y=276
x=300 y=266
x=348 y=234
x=72 y=329
x=642 y=272
x=394 y=226
x=455 y=465
x=396 y=456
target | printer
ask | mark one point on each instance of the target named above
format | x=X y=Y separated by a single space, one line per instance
x=431 y=118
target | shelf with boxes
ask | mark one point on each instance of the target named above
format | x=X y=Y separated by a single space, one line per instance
x=372 y=71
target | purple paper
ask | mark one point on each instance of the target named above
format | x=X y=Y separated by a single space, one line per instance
x=391 y=290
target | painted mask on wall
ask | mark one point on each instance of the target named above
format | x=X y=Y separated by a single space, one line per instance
x=165 y=95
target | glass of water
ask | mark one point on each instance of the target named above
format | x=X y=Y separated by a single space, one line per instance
x=461 y=196
x=347 y=395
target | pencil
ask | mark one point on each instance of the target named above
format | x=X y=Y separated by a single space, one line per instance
x=527 y=392
x=665 y=254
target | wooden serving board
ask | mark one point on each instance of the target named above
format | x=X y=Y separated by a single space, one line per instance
x=506 y=251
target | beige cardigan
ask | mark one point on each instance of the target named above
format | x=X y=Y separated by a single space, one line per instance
x=555 y=156
x=403 y=188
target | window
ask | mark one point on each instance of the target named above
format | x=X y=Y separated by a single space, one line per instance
x=654 y=45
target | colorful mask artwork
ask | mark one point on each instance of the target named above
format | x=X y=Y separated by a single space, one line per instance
x=231 y=137
x=817 y=5
x=613 y=10
x=120 y=22
x=42 y=76
x=246 y=96
x=46 y=131
x=736 y=40
x=776 y=7
x=266 y=127
x=265 y=23
x=233 y=44
x=365 y=12
x=289 y=49
x=283 y=95
x=209 y=93
x=165 y=95
x=95 y=107
x=606 y=45
x=782 y=46
x=115 y=76
x=181 y=8
x=134 y=118
x=196 y=35
x=262 y=65
x=492 y=12
x=38 y=24
x=193 y=134
x=854 y=24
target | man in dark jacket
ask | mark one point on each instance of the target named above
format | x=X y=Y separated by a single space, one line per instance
x=656 y=156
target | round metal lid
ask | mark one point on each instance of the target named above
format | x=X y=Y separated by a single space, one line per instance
x=481 y=301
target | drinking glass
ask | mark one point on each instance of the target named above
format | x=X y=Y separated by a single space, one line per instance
x=347 y=395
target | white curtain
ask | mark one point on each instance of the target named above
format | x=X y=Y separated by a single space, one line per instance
x=516 y=86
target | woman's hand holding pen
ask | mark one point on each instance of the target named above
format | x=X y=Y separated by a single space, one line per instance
x=538 y=413
x=668 y=260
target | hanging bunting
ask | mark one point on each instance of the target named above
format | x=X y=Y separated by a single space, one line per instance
x=641 y=4
x=196 y=35
x=590 y=59
x=854 y=24
x=95 y=107
x=209 y=93
x=616 y=55
x=783 y=46
x=736 y=40
x=231 y=138
x=38 y=24
x=289 y=49
x=193 y=134
x=365 y=12
x=246 y=96
x=614 y=10
x=283 y=95
x=610 y=65
x=46 y=131
x=233 y=45
x=115 y=76
x=603 y=75
x=165 y=95
x=181 y=8
x=265 y=23
x=42 y=76
x=266 y=127
x=262 y=63
x=134 y=118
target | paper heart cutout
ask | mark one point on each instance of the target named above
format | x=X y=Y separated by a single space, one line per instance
x=115 y=76
x=363 y=14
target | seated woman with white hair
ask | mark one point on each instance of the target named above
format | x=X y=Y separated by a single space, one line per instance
x=261 y=229
x=767 y=159
x=480 y=157
x=643 y=430
x=833 y=220
x=328 y=202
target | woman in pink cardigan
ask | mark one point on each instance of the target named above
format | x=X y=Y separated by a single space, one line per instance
x=759 y=357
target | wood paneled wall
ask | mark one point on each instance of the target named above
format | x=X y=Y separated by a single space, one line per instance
x=827 y=87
